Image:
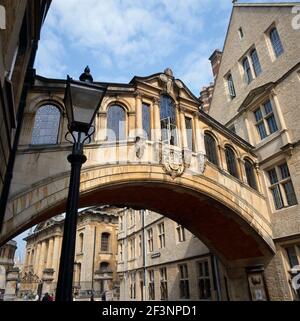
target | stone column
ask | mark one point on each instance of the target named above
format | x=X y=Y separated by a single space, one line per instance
x=138 y=114
x=47 y=281
x=42 y=259
x=56 y=255
x=101 y=126
x=156 y=129
x=246 y=121
x=199 y=136
x=179 y=133
x=37 y=259
x=223 y=163
x=182 y=128
x=50 y=254
x=277 y=111
x=11 y=284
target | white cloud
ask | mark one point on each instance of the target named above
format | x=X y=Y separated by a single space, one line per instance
x=50 y=57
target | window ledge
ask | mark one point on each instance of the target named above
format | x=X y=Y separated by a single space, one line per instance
x=284 y=209
x=269 y=139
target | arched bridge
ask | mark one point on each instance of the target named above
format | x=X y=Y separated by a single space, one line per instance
x=153 y=148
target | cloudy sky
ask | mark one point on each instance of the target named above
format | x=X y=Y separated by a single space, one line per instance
x=119 y=39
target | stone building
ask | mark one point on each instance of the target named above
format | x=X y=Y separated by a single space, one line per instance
x=20 y=26
x=257 y=95
x=95 y=258
x=9 y=273
x=150 y=269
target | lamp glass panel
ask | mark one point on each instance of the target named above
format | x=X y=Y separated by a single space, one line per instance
x=85 y=101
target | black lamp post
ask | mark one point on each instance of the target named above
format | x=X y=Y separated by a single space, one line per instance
x=82 y=100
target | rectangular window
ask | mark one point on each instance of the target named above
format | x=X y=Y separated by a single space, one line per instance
x=281 y=186
x=146 y=120
x=161 y=235
x=189 y=133
x=276 y=42
x=150 y=240
x=184 y=287
x=131 y=248
x=230 y=86
x=265 y=120
x=255 y=62
x=140 y=245
x=180 y=233
x=151 y=285
x=204 y=284
x=132 y=285
x=163 y=284
x=292 y=256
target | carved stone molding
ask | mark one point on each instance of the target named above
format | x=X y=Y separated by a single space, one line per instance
x=140 y=146
x=172 y=161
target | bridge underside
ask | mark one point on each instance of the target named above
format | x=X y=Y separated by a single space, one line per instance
x=219 y=227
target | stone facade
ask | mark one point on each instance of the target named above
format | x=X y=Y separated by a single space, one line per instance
x=150 y=269
x=18 y=44
x=95 y=258
x=8 y=272
x=275 y=134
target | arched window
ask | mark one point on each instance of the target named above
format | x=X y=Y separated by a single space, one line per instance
x=276 y=42
x=80 y=243
x=247 y=70
x=211 y=149
x=168 y=120
x=46 y=125
x=231 y=161
x=249 y=169
x=105 y=242
x=104 y=267
x=116 y=123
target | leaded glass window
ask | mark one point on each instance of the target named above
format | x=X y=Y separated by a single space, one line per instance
x=211 y=149
x=46 y=125
x=249 y=169
x=116 y=123
x=230 y=85
x=231 y=162
x=255 y=62
x=276 y=42
x=281 y=186
x=146 y=120
x=168 y=120
x=247 y=70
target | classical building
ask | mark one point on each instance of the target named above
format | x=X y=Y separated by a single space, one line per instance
x=20 y=26
x=257 y=95
x=150 y=269
x=95 y=258
x=9 y=273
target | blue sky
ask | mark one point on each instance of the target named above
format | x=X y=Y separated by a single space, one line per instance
x=119 y=39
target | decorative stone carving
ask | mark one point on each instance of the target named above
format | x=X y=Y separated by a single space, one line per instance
x=201 y=158
x=168 y=83
x=140 y=146
x=187 y=157
x=172 y=161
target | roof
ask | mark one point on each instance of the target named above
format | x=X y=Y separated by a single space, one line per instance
x=267 y=4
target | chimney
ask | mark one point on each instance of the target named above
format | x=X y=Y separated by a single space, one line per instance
x=215 y=60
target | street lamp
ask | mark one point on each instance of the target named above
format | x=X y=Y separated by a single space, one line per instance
x=82 y=100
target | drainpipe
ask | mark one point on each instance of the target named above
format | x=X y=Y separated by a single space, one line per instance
x=144 y=254
x=93 y=263
x=29 y=79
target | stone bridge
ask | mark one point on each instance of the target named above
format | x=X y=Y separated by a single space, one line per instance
x=166 y=155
